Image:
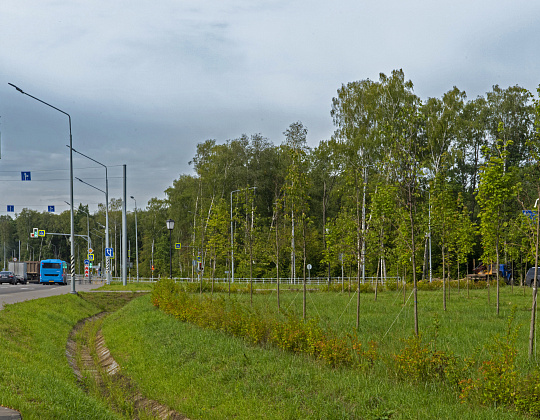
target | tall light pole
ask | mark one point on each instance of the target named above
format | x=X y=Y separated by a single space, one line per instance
x=107 y=267
x=170 y=226
x=136 y=239
x=88 y=230
x=72 y=235
x=107 y=259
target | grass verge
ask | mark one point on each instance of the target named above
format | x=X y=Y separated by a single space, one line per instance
x=35 y=377
x=208 y=374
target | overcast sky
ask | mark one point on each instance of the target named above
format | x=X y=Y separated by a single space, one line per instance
x=145 y=81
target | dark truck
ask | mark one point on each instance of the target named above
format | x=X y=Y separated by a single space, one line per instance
x=25 y=271
x=530 y=277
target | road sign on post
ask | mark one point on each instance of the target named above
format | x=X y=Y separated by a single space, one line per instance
x=178 y=246
x=51 y=209
x=109 y=252
x=26 y=176
x=531 y=214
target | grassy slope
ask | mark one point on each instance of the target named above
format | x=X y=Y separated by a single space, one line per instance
x=35 y=377
x=207 y=375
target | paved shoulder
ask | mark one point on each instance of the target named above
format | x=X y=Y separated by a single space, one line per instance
x=9 y=414
x=21 y=293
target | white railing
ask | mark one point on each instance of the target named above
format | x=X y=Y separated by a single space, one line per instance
x=265 y=280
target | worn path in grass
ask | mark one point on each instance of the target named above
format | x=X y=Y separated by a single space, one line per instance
x=96 y=370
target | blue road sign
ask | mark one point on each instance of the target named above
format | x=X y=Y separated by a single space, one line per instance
x=10 y=208
x=86 y=262
x=51 y=209
x=25 y=176
x=177 y=246
x=531 y=214
x=109 y=252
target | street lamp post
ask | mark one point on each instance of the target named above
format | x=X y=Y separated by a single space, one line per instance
x=136 y=240
x=107 y=259
x=107 y=263
x=170 y=226
x=72 y=235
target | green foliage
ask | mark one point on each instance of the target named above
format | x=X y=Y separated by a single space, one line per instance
x=497 y=381
x=293 y=334
x=420 y=362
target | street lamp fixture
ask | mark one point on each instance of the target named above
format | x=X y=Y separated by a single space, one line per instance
x=72 y=235
x=170 y=226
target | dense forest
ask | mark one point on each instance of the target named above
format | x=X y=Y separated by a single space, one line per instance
x=400 y=176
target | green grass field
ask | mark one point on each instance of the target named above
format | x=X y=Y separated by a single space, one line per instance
x=35 y=377
x=207 y=374
x=213 y=376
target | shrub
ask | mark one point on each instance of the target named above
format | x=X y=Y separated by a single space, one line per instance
x=497 y=378
x=427 y=285
x=293 y=334
x=419 y=363
x=528 y=394
x=337 y=287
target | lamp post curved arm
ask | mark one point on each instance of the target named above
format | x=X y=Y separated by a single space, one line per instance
x=72 y=236
x=106 y=192
x=107 y=264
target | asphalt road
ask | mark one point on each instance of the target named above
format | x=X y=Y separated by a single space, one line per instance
x=10 y=293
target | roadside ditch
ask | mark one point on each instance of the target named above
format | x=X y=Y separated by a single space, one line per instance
x=100 y=375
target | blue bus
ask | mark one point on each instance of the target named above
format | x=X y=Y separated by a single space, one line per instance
x=52 y=272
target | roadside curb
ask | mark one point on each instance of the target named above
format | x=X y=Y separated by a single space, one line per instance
x=9 y=414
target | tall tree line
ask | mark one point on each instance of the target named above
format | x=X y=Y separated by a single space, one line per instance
x=397 y=171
